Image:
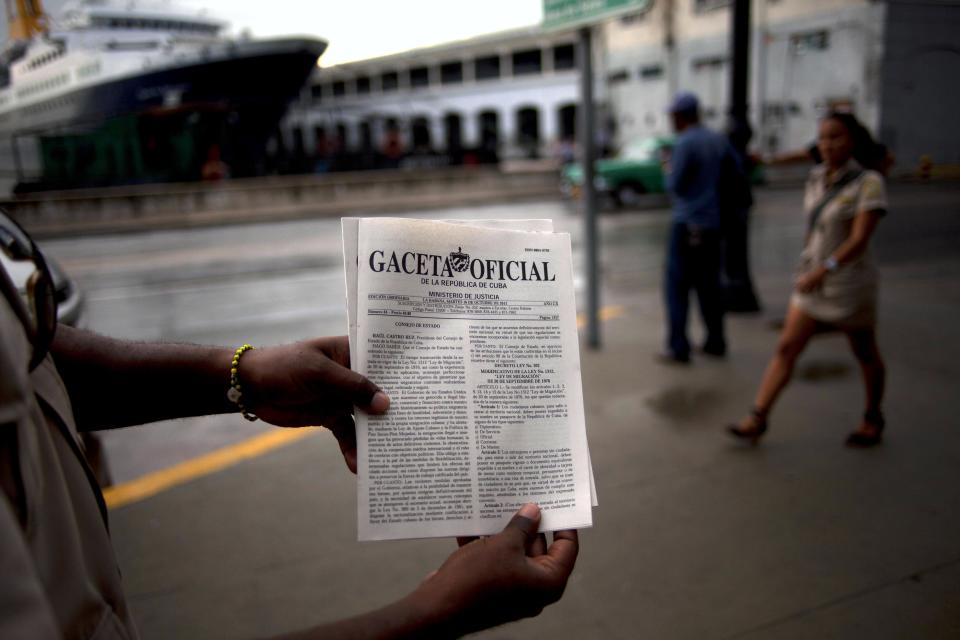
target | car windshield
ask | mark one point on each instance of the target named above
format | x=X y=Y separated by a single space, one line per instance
x=643 y=149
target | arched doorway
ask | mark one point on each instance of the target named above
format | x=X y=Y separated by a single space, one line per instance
x=420 y=135
x=528 y=131
x=489 y=126
x=453 y=132
x=567 y=118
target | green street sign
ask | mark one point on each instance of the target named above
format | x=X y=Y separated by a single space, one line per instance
x=563 y=14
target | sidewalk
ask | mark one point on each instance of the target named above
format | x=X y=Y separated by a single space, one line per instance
x=695 y=536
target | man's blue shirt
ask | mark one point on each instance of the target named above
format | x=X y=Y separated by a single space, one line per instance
x=696 y=164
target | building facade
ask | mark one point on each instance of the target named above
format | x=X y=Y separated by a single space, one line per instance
x=514 y=94
x=807 y=56
x=508 y=95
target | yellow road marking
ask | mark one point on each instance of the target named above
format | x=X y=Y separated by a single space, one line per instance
x=605 y=313
x=153 y=483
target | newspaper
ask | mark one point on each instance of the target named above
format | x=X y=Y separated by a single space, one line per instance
x=471 y=329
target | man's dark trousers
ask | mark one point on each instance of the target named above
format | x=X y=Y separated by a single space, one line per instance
x=694 y=262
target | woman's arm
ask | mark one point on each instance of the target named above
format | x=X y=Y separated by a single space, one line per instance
x=116 y=383
x=864 y=224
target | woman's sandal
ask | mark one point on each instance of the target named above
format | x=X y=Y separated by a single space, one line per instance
x=873 y=418
x=754 y=432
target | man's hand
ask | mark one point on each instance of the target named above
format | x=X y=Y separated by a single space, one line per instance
x=310 y=383
x=487 y=582
x=499 y=579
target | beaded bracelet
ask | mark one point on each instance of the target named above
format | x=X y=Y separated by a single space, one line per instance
x=235 y=393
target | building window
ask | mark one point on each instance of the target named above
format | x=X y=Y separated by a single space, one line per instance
x=709 y=5
x=801 y=43
x=419 y=77
x=651 y=72
x=389 y=81
x=618 y=77
x=632 y=18
x=564 y=57
x=527 y=62
x=451 y=73
x=712 y=63
x=486 y=68
x=363 y=85
x=339 y=88
x=316 y=92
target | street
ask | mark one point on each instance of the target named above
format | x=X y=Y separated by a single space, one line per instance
x=695 y=537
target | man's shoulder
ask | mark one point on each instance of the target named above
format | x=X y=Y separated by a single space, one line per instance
x=701 y=135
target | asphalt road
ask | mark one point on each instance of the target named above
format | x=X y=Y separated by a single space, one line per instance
x=273 y=283
x=695 y=536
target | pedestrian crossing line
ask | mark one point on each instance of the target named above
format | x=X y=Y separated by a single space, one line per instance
x=153 y=483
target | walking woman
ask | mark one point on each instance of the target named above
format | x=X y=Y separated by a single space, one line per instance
x=837 y=286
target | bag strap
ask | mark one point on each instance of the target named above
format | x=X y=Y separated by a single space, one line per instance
x=828 y=197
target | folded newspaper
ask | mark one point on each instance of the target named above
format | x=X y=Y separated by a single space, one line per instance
x=470 y=328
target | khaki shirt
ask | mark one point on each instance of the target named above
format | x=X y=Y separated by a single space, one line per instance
x=58 y=571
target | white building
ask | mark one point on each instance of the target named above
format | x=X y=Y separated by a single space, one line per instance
x=514 y=92
x=893 y=63
x=807 y=56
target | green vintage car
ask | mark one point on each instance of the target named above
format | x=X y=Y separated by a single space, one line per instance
x=632 y=173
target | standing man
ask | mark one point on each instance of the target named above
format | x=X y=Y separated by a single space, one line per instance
x=693 y=174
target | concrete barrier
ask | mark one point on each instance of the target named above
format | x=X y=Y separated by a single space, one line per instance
x=273 y=198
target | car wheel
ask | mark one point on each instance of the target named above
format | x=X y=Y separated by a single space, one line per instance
x=629 y=194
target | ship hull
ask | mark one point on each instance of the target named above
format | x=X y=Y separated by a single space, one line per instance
x=163 y=124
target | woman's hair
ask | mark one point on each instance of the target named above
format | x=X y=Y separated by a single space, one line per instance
x=866 y=151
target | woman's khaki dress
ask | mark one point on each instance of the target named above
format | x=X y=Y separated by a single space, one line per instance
x=848 y=297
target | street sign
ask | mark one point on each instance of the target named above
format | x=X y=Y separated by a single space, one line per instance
x=563 y=14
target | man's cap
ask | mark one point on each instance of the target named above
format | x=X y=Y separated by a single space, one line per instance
x=684 y=102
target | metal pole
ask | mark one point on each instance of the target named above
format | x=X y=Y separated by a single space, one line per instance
x=741 y=61
x=739 y=295
x=587 y=137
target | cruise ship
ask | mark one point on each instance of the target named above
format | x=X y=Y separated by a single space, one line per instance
x=131 y=92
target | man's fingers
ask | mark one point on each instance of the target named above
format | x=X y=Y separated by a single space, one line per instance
x=539 y=546
x=345 y=432
x=357 y=388
x=564 y=550
x=523 y=525
x=463 y=541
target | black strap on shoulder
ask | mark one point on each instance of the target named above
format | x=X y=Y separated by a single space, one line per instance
x=828 y=197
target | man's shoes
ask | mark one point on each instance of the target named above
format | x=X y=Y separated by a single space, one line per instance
x=672 y=359
x=714 y=352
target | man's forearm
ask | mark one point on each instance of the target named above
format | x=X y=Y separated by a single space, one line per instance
x=116 y=383
x=410 y=617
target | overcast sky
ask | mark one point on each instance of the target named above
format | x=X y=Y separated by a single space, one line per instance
x=358 y=29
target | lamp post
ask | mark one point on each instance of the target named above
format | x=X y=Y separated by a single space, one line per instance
x=739 y=295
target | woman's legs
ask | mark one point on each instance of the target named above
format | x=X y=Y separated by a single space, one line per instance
x=798 y=328
x=864 y=345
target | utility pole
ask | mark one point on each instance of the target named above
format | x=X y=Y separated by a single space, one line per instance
x=739 y=295
x=587 y=146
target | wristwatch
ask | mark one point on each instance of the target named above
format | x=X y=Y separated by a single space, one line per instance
x=831 y=264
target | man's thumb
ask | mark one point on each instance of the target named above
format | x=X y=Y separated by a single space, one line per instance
x=524 y=523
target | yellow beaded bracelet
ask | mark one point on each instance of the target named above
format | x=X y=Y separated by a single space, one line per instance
x=235 y=393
